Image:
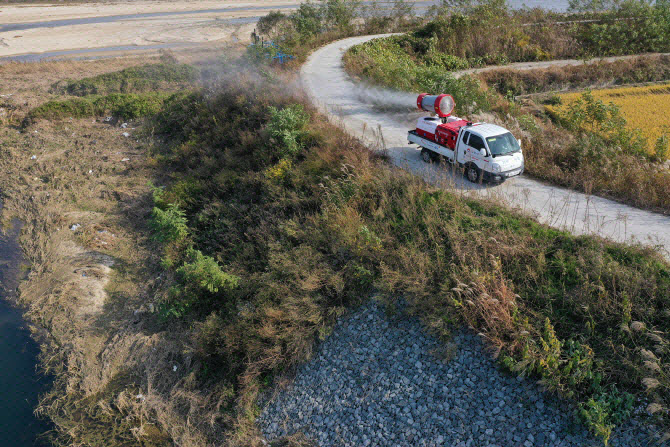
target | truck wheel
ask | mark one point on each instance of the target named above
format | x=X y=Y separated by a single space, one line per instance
x=474 y=173
x=427 y=155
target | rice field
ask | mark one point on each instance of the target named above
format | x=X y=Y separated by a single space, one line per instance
x=646 y=108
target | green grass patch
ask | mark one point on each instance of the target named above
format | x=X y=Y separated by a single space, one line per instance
x=153 y=77
x=122 y=105
x=393 y=62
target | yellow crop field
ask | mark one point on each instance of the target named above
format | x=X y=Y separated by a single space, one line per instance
x=646 y=108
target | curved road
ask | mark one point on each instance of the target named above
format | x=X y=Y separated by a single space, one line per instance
x=352 y=107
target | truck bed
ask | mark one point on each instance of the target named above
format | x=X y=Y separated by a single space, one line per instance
x=413 y=138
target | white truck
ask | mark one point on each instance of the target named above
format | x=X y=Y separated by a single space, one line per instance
x=487 y=152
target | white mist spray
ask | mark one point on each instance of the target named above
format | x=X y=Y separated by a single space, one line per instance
x=386 y=99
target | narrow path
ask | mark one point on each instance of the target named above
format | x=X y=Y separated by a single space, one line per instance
x=350 y=106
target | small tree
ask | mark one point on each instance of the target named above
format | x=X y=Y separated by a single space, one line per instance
x=267 y=24
x=307 y=20
x=340 y=14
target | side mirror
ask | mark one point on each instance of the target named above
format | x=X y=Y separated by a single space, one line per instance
x=482 y=152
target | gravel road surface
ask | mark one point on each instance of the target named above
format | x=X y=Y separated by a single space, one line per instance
x=352 y=106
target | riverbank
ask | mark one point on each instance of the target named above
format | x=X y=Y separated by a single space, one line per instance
x=20 y=382
x=80 y=186
x=171 y=307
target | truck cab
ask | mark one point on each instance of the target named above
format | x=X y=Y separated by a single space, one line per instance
x=488 y=152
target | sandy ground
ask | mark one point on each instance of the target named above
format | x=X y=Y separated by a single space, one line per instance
x=205 y=21
x=349 y=106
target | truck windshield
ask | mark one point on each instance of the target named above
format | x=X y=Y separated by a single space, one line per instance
x=503 y=144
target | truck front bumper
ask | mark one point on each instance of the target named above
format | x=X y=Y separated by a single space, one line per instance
x=499 y=177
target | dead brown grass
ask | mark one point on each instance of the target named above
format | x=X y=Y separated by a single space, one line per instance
x=654 y=68
x=90 y=288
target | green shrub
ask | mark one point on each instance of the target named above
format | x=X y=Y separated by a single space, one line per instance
x=662 y=148
x=603 y=412
x=308 y=20
x=169 y=224
x=385 y=61
x=286 y=127
x=267 y=24
x=605 y=121
x=123 y=105
x=204 y=272
x=340 y=14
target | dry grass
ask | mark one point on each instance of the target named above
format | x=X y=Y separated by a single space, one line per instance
x=306 y=242
x=90 y=290
x=29 y=83
x=642 y=69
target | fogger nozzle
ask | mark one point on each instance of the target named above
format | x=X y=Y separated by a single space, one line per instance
x=443 y=104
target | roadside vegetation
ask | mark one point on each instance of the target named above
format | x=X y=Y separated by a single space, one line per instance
x=314 y=24
x=490 y=32
x=645 y=110
x=638 y=70
x=629 y=167
x=271 y=235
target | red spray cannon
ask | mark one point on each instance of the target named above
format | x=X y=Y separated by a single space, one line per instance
x=443 y=104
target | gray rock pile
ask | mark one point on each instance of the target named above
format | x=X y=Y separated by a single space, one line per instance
x=374 y=382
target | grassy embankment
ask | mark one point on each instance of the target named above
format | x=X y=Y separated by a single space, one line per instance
x=268 y=224
x=272 y=235
x=128 y=94
x=562 y=154
x=83 y=199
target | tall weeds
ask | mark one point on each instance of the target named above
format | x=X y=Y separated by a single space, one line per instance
x=338 y=224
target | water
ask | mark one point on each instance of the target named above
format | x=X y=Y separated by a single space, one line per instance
x=19 y=382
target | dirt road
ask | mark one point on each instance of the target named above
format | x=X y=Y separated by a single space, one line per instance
x=336 y=93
